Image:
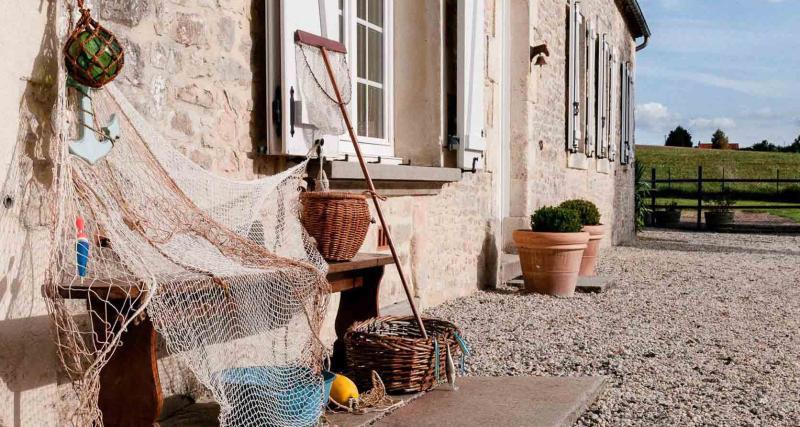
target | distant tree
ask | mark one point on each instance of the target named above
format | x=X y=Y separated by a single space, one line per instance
x=794 y=147
x=764 y=146
x=719 y=141
x=679 y=137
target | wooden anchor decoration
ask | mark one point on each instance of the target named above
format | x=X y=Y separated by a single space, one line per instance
x=93 y=144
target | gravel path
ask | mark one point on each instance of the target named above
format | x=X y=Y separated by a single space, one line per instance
x=702 y=329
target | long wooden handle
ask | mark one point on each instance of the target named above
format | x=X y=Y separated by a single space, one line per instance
x=372 y=191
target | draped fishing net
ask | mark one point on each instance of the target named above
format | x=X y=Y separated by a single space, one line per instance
x=224 y=269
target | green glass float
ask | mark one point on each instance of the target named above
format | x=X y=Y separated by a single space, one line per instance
x=93 y=56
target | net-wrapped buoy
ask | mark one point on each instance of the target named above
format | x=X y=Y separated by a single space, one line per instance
x=93 y=55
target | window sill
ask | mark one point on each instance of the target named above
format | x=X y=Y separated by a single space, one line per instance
x=390 y=180
x=603 y=166
x=577 y=160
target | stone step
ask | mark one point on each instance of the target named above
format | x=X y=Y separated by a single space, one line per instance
x=498 y=401
x=510 y=267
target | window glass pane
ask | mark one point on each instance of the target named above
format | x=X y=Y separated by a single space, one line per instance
x=361 y=96
x=375 y=113
x=341 y=28
x=375 y=56
x=361 y=50
x=375 y=12
x=361 y=9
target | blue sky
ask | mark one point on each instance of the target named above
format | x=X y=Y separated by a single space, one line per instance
x=732 y=64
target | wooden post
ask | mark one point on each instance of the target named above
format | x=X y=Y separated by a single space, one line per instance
x=653 y=194
x=723 y=179
x=699 y=197
x=777 y=182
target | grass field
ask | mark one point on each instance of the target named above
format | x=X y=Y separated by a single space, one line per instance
x=683 y=163
x=792 y=214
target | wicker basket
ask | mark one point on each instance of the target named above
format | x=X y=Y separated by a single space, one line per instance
x=394 y=348
x=338 y=221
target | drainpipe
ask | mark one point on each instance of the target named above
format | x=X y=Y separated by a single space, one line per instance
x=644 y=43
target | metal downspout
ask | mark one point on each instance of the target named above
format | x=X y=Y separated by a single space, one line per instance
x=644 y=43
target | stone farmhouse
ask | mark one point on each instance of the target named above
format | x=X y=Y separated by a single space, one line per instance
x=473 y=113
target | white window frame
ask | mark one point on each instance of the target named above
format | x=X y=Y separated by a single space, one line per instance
x=370 y=146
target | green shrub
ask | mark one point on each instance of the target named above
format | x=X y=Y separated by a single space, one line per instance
x=721 y=202
x=586 y=209
x=556 y=220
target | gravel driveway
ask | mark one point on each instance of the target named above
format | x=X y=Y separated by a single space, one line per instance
x=702 y=329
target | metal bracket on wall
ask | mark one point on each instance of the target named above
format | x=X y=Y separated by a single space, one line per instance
x=474 y=167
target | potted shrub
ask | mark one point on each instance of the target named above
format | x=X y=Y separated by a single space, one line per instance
x=670 y=217
x=551 y=252
x=590 y=218
x=720 y=213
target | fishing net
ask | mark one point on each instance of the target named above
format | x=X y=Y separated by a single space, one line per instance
x=224 y=269
x=317 y=90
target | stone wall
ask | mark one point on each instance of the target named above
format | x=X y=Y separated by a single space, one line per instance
x=543 y=177
x=195 y=69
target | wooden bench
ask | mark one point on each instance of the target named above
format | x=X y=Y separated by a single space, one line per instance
x=130 y=389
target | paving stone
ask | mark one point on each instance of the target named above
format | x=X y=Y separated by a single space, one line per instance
x=500 y=401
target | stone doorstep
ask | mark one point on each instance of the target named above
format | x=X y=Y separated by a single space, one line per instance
x=595 y=285
x=499 y=402
x=478 y=402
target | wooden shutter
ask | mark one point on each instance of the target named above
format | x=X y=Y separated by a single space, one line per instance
x=591 y=89
x=316 y=17
x=602 y=97
x=614 y=109
x=627 y=114
x=471 y=83
x=574 y=89
x=631 y=116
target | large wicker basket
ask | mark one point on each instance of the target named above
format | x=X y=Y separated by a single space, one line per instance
x=395 y=349
x=338 y=221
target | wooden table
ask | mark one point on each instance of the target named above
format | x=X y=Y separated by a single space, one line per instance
x=130 y=389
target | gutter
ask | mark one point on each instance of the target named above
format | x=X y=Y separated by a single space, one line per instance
x=641 y=29
x=644 y=43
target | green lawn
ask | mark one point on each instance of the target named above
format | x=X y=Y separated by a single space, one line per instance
x=792 y=214
x=683 y=163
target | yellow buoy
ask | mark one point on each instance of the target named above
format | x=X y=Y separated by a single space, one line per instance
x=343 y=389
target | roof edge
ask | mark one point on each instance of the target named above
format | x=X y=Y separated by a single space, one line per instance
x=636 y=20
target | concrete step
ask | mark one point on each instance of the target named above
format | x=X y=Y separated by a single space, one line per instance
x=497 y=401
x=509 y=267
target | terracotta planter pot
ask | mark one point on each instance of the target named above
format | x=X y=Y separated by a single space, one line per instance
x=589 y=261
x=550 y=261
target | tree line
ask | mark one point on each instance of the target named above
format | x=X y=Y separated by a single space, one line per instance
x=680 y=137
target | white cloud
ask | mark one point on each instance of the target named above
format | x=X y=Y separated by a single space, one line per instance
x=704 y=123
x=654 y=116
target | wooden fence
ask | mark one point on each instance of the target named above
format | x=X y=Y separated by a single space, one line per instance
x=700 y=194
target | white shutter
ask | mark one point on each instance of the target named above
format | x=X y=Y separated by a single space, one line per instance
x=624 y=111
x=614 y=110
x=574 y=89
x=317 y=17
x=471 y=83
x=591 y=89
x=627 y=114
x=631 y=116
x=602 y=98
